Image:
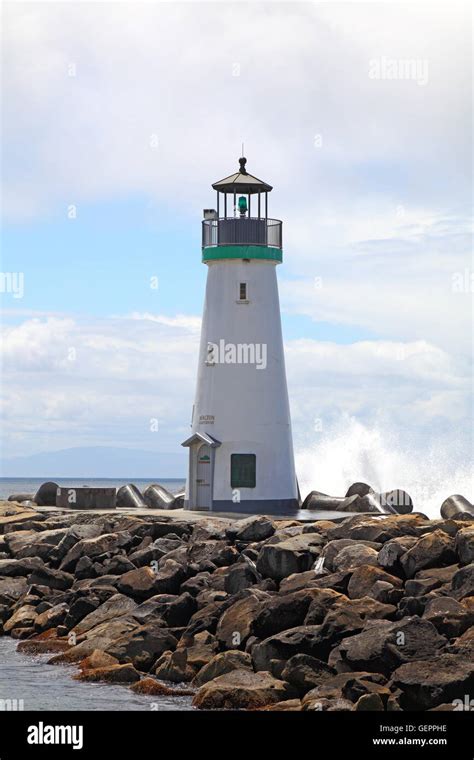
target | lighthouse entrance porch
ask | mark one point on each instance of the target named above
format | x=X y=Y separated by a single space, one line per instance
x=200 y=481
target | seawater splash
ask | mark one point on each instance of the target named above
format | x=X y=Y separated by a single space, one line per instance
x=353 y=451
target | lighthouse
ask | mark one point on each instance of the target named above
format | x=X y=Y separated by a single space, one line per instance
x=241 y=449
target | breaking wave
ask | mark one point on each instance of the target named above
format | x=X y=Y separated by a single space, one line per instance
x=352 y=451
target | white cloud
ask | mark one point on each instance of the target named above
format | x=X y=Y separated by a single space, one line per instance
x=83 y=381
x=168 y=70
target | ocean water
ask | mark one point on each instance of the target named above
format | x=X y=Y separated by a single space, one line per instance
x=10 y=486
x=50 y=687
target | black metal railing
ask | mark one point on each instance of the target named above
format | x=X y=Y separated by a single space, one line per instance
x=242 y=231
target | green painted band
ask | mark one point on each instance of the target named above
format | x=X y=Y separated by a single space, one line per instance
x=211 y=253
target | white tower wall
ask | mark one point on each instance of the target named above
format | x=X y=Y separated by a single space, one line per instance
x=240 y=408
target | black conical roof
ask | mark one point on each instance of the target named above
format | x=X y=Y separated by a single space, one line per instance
x=242 y=182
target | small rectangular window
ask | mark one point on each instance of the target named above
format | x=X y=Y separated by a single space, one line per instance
x=243 y=291
x=243 y=470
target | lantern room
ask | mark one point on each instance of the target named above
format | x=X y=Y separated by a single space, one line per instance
x=240 y=226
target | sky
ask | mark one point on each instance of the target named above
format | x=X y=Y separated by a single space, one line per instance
x=117 y=118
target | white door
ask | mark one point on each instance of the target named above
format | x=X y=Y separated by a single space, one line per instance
x=203 y=477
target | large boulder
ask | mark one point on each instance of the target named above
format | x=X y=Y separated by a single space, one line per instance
x=201 y=650
x=303 y=639
x=365 y=576
x=16 y=518
x=294 y=555
x=55 y=579
x=235 y=625
x=14 y=567
x=390 y=553
x=125 y=673
x=176 y=611
x=240 y=576
x=23 y=617
x=464 y=644
x=116 y=565
x=154 y=551
x=462 y=583
x=143 y=645
x=173 y=667
x=450 y=617
x=94 y=547
x=383 y=646
x=464 y=545
x=34 y=543
x=322 y=600
x=333 y=548
x=12 y=588
x=217 y=552
x=144 y=582
x=51 y=617
x=250 y=529
x=353 y=556
x=242 y=689
x=279 y=613
x=376 y=529
x=101 y=637
x=428 y=683
x=432 y=550
x=221 y=663
x=305 y=672
x=115 y=607
x=75 y=533
x=80 y=607
x=97 y=659
x=335 y=687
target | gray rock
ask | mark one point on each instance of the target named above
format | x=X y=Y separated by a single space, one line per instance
x=94 y=547
x=253 y=528
x=221 y=663
x=383 y=646
x=353 y=556
x=431 y=550
x=143 y=645
x=462 y=583
x=242 y=689
x=305 y=672
x=435 y=681
x=23 y=567
x=464 y=545
x=300 y=640
x=295 y=555
x=56 y=579
x=115 y=607
x=144 y=582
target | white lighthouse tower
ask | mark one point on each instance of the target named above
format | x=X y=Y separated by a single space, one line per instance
x=241 y=449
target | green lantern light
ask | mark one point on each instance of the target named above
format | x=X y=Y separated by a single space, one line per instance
x=242 y=205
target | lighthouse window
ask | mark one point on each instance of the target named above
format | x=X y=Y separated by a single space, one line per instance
x=243 y=291
x=243 y=470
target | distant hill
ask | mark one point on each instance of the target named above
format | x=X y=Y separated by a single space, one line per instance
x=97 y=462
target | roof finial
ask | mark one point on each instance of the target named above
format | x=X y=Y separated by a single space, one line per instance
x=242 y=162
